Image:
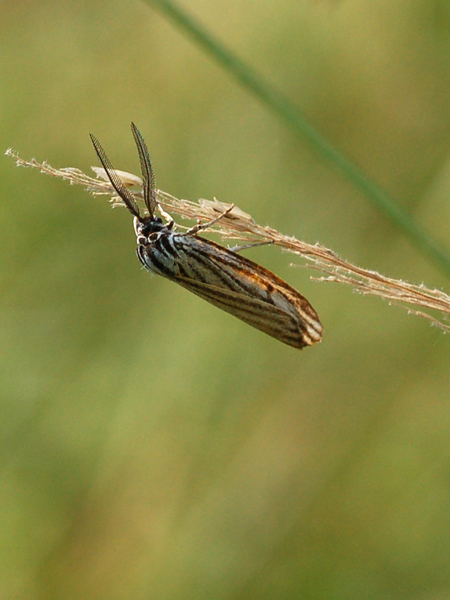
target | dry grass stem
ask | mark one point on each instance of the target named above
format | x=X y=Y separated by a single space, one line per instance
x=238 y=225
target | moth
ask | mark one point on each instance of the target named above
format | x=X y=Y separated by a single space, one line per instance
x=219 y=275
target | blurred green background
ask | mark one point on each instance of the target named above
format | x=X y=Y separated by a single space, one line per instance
x=153 y=446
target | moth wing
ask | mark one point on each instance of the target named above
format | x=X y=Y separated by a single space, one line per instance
x=262 y=315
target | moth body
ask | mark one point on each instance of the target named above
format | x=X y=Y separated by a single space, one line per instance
x=220 y=276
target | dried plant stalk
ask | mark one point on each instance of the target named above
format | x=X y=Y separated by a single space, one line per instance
x=238 y=225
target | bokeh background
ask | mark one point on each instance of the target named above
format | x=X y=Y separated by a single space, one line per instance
x=153 y=447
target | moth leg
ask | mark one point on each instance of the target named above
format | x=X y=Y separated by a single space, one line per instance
x=200 y=227
x=170 y=222
x=252 y=245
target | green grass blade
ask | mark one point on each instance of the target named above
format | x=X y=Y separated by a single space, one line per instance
x=282 y=106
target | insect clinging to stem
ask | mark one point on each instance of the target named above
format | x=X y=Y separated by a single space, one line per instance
x=220 y=276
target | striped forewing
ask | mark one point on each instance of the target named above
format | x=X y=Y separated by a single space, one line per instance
x=235 y=284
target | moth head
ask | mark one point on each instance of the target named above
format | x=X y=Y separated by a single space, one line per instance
x=145 y=227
